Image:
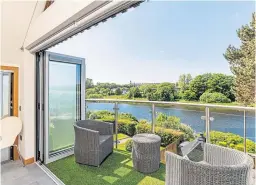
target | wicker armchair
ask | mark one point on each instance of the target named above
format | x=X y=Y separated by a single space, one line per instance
x=221 y=166
x=93 y=141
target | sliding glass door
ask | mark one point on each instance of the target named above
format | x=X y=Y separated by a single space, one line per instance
x=62 y=96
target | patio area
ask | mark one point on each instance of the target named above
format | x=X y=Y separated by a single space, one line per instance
x=117 y=169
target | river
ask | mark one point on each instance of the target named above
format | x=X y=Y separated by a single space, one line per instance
x=224 y=120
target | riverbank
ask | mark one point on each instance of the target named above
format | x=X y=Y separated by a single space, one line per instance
x=225 y=120
x=124 y=97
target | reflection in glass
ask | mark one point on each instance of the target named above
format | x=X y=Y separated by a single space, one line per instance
x=6 y=94
x=64 y=103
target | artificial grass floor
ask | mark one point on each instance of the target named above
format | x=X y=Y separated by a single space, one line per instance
x=117 y=169
x=120 y=136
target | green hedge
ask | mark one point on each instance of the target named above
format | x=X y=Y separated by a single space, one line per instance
x=125 y=126
x=167 y=135
x=232 y=141
x=126 y=122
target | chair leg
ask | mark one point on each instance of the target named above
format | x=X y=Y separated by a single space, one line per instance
x=19 y=154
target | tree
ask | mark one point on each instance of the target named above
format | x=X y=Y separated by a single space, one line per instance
x=199 y=84
x=147 y=89
x=118 y=91
x=221 y=83
x=242 y=63
x=183 y=82
x=189 y=95
x=165 y=91
x=88 y=83
x=134 y=92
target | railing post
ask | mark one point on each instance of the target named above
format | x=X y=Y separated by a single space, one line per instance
x=153 y=118
x=207 y=124
x=116 y=122
x=244 y=131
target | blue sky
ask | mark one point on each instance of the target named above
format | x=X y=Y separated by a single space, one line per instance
x=158 y=41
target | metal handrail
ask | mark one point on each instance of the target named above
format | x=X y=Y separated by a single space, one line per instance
x=207 y=117
x=172 y=103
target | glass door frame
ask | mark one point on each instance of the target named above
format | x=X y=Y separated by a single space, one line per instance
x=8 y=73
x=44 y=59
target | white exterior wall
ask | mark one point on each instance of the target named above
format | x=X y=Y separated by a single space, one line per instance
x=15 y=18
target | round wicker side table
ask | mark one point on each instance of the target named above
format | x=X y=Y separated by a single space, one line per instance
x=146 y=152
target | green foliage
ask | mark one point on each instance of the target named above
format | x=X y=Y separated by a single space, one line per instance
x=127 y=127
x=161 y=117
x=240 y=147
x=118 y=91
x=173 y=122
x=223 y=84
x=144 y=121
x=214 y=98
x=147 y=89
x=242 y=63
x=167 y=135
x=128 y=145
x=101 y=90
x=134 y=93
x=199 y=84
x=187 y=130
x=232 y=141
x=143 y=128
x=210 y=82
x=126 y=122
x=165 y=91
x=94 y=96
x=189 y=95
x=184 y=81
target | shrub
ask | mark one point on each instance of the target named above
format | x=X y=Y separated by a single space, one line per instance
x=222 y=143
x=240 y=147
x=143 y=128
x=214 y=98
x=94 y=96
x=161 y=117
x=93 y=116
x=232 y=141
x=128 y=145
x=173 y=122
x=127 y=116
x=167 y=135
x=126 y=122
x=126 y=127
x=187 y=130
x=144 y=121
x=189 y=95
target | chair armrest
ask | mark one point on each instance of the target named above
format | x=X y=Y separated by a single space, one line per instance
x=217 y=155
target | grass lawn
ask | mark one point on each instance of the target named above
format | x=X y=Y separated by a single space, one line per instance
x=120 y=136
x=117 y=169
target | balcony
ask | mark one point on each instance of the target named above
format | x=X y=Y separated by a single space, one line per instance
x=118 y=169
